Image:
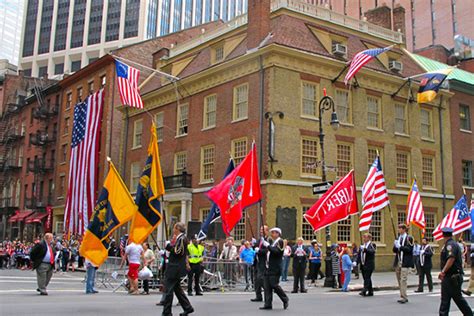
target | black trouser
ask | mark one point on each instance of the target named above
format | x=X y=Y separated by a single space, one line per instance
x=417 y=264
x=196 y=273
x=272 y=284
x=146 y=286
x=315 y=270
x=451 y=289
x=172 y=285
x=421 y=278
x=298 y=275
x=259 y=283
x=367 y=275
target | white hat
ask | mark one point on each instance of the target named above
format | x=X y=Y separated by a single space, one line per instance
x=276 y=229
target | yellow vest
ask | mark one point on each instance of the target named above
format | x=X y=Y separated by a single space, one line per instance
x=195 y=253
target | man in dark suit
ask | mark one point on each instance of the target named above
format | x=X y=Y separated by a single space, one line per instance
x=425 y=266
x=271 y=278
x=299 y=254
x=42 y=255
x=178 y=267
x=366 y=260
x=403 y=249
x=260 y=259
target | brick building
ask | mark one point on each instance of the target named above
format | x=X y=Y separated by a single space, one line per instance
x=281 y=60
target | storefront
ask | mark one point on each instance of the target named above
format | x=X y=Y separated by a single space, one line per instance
x=17 y=224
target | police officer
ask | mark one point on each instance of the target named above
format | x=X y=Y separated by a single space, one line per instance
x=195 y=250
x=273 y=270
x=403 y=249
x=299 y=254
x=451 y=276
x=367 y=263
x=260 y=259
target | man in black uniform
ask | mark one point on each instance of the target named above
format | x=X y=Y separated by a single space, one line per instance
x=260 y=259
x=367 y=263
x=425 y=266
x=451 y=276
x=178 y=267
x=403 y=249
x=299 y=254
x=271 y=278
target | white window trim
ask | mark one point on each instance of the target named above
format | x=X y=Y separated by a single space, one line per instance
x=135 y=146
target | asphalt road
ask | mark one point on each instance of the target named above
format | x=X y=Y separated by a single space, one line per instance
x=66 y=297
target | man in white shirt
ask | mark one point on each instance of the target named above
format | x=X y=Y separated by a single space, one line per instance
x=134 y=253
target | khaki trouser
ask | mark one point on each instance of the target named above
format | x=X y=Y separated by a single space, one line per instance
x=402 y=278
x=471 y=280
x=43 y=275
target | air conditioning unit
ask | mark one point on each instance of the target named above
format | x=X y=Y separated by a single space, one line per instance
x=339 y=49
x=395 y=65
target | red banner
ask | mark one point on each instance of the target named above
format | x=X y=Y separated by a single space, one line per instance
x=335 y=205
x=49 y=219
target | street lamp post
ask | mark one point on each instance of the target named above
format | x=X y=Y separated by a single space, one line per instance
x=325 y=104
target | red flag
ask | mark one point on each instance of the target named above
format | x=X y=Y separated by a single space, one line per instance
x=240 y=189
x=335 y=205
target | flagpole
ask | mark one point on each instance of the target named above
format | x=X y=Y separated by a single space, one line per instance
x=340 y=73
x=393 y=223
x=170 y=77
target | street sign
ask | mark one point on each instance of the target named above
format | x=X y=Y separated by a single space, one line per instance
x=320 y=188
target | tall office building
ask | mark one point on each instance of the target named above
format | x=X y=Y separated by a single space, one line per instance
x=11 y=16
x=62 y=36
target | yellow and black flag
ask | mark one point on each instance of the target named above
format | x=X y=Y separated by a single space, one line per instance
x=149 y=191
x=114 y=207
x=431 y=83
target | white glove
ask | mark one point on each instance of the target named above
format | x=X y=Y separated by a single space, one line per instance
x=354 y=264
x=257 y=249
x=266 y=243
x=362 y=247
x=167 y=243
x=396 y=244
x=422 y=251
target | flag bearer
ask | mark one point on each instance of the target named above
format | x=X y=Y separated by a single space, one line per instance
x=196 y=251
x=451 y=276
x=272 y=274
x=367 y=263
x=403 y=249
x=260 y=259
x=426 y=252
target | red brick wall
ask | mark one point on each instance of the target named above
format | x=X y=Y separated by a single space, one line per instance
x=259 y=22
x=381 y=16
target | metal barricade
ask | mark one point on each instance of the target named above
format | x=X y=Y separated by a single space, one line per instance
x=226 y=275
x=110 y=275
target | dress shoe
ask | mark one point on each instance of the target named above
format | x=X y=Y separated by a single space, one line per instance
x=38 y=290
x=160 y=304
x=419 y=291
x=43 y=293
x=370 y=294
x=285 y=304
x=199 y=294
x=189 y=311
x=294 y=291
x=256 y=300
x=190 y=294
x=266 y=308
x=362 y=294
x=466 y=292
x=402 y=301
x=304 y=291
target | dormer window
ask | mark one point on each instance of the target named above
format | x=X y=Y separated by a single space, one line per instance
x=218 y=54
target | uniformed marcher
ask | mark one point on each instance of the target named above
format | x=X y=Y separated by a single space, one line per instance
x=272 y=274
x=403 y=249
x=178 y=266
x=260 y=258
x=451 y=276
x=196 y=251
x=367 y=263
x=425 y=262
x=299 y=254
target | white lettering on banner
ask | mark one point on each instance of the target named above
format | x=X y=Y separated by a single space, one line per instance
x=341 y=197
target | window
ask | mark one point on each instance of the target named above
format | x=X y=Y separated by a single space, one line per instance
x=64 y=153
x=132 y=15
x=239 y=150
x=307 y=231
x=210 y=106
x=183 y=112
x=68 y=100
x=20 y=156
x=90 y=87
x=402 y=217
x=45 y=26
x=75 y=65
x=426 y=124
x=95 y=22
x=403 y=166
x=467 y=173
x=78 y=21
x=309 y=156
x=135 y=173
x=344 y=230
x=62 y=185
x=465 y=117
x=207 y=164
x=219 y=53
x=430 y=220
x=344 y=159
x=374 y=113
x=180 y=160
x=59 y=69
x=30 y=27
x=79 y=94
x=103 y=81
x=309 y=99
x=372 y=154
x=178 y=5
x=205 y=213
x=59 y=228
x=159 y=122
x=240 y=110
x=66 y=126
x=239 y=230
x=427 y=165
x=113 y=20
x=376 y=226
x=401 y=119
x=343 y=108
x=137 y=134
x=43 y=71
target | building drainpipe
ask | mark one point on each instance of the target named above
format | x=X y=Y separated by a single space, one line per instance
x=441 y=149
x=260 y=220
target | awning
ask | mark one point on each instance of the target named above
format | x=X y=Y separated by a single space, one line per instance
x=36 y=218
x=19 y=216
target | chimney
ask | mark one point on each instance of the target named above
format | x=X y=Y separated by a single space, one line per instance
x=380 y=16
x=399 y=19
x=435 y=52
x=162 y=52
x=258 y=25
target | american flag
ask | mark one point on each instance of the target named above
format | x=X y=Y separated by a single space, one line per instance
x=362 y=58
x=458 y=219
x=374 y=194
x=83 y=163
x=415 y=212
x=127 y=82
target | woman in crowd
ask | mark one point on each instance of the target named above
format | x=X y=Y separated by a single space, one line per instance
x=336 y=270
x=355 y=257
x=346 y=268
x=247 y=256
x=148 y=261
x=315 y=256
x=65 y=256
x=286 y=261
x=73 y=257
